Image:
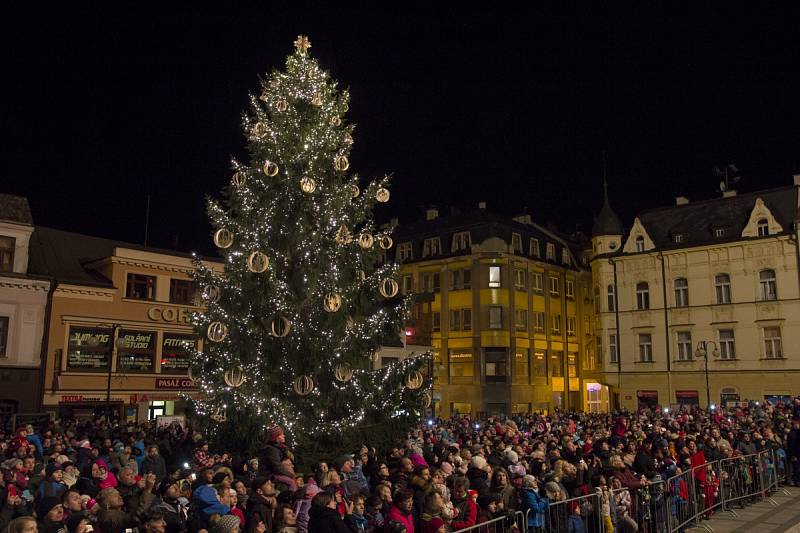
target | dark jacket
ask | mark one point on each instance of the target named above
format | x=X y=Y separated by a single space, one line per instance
x=326 y=520
x=257 y=511
x=269 y=461
x=175 y=515
x=157 y=466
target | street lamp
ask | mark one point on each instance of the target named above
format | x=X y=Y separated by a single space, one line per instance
x=702 y=351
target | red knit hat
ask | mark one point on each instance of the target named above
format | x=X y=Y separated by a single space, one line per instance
x=274 y=431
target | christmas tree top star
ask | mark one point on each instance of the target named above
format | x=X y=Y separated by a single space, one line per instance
x=302 y=44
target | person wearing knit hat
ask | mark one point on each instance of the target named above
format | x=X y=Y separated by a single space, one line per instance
x=478 y=462
x=225 y=524
x=275 y=460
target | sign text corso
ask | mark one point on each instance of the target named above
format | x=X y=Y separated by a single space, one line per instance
x=168 y=314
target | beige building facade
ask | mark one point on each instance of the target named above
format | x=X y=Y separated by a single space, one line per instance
x=710 y=283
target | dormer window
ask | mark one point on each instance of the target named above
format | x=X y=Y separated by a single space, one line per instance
x=404 y=251
x=516 y=243
x=432 y=246
x=461 y=241
x=565 y=255
x=677 y=238
x=763 y=227
x=720 y=232
x=534 y=251
x=639 y=243
x=551 y=251
x=7 y=245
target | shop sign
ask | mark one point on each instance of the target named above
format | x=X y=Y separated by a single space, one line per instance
x=80 y=398
x=159 y=313
x=174 y=383
x=138 y=340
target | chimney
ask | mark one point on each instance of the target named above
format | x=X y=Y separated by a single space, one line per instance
x=681 y=200
x=524 y=219
x=431 y=213
x=482 y=205
x=729 y=193
x=796 y=179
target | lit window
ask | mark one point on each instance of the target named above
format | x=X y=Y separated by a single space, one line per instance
x=681 y=292
x=677 y=238
x=519 y=278
x=494 y=277
x=645 y=348
x=516 y=243
x=684 y=345
x=766 y=279
x=521 y=367
x=763 y=227
x=720 y=233
x=727 y=344
x=554 y=286
x=772 y=343
x=536 y=282
x=461 y=365
x=141 y=287
x=722 y=287
x=642 y=296
x=404 y=251
x=639 y=243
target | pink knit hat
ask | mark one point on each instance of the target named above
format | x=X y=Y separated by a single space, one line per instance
x=418 y=460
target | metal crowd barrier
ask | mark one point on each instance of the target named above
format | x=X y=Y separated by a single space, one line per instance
x=660 y=506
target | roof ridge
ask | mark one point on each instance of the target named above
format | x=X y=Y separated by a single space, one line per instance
x=715 y=199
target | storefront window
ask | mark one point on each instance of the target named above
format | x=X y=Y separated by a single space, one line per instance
x=521 y=366
x=138 y=352
x=175 y=354
x=461 y=408
x=539 y=365
x=557 y=364
x=89 y=349
x=462 y=369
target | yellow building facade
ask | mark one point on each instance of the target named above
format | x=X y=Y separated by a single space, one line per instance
x=118 y=328
x=507 y=306
x=716 y=278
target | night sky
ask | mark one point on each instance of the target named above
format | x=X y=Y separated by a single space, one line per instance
x=514 y=108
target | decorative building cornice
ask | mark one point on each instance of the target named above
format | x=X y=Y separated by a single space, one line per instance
x=25 y=284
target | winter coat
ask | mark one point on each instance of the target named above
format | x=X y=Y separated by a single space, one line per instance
x=326 y=520
x=175 y=514
x=269 y=461
x=157 y=466
x=397 y=521
x=257 y=511
x=534 y=505
x=575 y=524
x=206 y=503
x=467 y=514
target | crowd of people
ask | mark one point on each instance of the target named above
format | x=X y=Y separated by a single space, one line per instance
x=448 y=475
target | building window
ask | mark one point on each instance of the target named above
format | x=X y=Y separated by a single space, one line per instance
x=460 y=319
x=596 y=299
x=556 y=324
x=141 y=287
x=572 y=364
x=720 y=233
x=551 y=251
x=539 y=365
x=494 y=277
x=495 y=317
x=611 y=293
x=521 y=367
x=431 y=246
x=554 y=286
x=461 y=241
x=4 y=336
x=557 y=364
x=681 y=292
x=89 y=349
x=519 y=278
x=181 y=291
x=722 y=286
x=137 y=353
x=436 y=321
x=516 y=243
x=763 y=227
x=521 y=319
x=571 y=326
x=431 y=281
x=565 y=255
x=157 y=408
x=7 y=245
x=176 y=353
x=639 y=243
x=404 y=251
x=727 y=344
x=766 y=280
x=612 y=348
x=495 y=365
x=569 y=288
x=598 y=349
x=677 y=238
x=460 y=279
x=537 y=282
x=772 y=343
x=534 y=248
x=538 y=321
x=645 y=348
x=407 y=283
x=462 y=368
x=642 y=296
x=684 y=345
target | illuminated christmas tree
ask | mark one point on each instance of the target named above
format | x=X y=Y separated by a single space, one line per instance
x=307 y=297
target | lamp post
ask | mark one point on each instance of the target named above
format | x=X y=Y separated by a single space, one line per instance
x=115 y=344
x=702 y=351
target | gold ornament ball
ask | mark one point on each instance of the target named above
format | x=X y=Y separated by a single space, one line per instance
x=282 y=105
x=239 y=178
x=270 y=168
x=382 y=195
x=264 y=96
x=354 y=190
x=223 y=238
x=308 y=185
x=303 y=385
x=414 y=380
x=257 y=262
x=217 y=331
x=259 y=130
x=366 y=240
x=341 y=163
x=389 y=288
x=344 y=235
x=343 y=372
x=280 y=326
x=316 y=100
x=333 y=302
x=218 y=415
x=234 y=377
x=385 y=242
x=336 y=121
x=212 y=293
